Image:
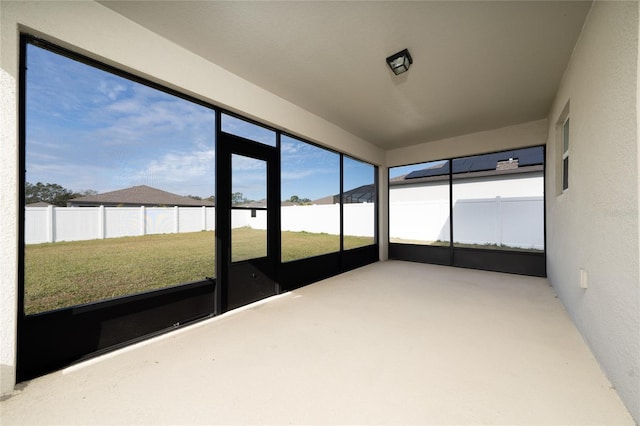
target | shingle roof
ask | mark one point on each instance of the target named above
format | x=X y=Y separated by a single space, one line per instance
x=479 y=163
x=141 y=195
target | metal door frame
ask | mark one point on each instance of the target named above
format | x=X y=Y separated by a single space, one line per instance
x=226 y=145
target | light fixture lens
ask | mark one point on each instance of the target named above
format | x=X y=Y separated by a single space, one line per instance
x=400 y=62
x=397 y=63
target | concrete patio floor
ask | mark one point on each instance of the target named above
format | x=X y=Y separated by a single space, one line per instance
x=390 y=343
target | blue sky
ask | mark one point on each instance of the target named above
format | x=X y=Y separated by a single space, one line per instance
x=89 y=129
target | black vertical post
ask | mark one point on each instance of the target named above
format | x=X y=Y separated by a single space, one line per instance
x=376 y=209
x=544 y=204
x=222 y=202
x=22 y=109
x=451 y=250
x=22 y=113
x=277 y=222
x=341 y=211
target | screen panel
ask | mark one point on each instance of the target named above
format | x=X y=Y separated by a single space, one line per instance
x=359 y=203
x=419 y=204
x=310 y=208
x=119 y=185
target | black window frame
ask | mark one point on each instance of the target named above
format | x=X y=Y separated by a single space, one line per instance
x=497 y=260
x=76 y=333
x=565 y=153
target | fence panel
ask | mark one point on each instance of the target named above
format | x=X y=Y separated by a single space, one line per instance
x=359 y=220
x=211 y=218
x=420 y=220
x=476 y=221
x=314 y=218
x=74 y=224
x=160 y=220
x=37 y=225
x=523 y=222
x=191 y=219
x=123 y=222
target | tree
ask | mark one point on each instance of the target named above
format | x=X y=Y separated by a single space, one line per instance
x=297 y=200
x=51 y=193
x=237 y=198
x=197 y=197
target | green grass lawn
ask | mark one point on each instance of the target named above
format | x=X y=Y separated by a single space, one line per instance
x=64 y=274
x=487 y=246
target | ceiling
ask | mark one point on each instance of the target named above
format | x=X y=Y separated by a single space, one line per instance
x=477 y=65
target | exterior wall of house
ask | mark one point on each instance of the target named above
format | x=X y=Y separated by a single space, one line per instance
x=593 y=226
x=96 y=31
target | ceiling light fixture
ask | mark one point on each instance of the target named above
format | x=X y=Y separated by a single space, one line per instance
x=400 y=62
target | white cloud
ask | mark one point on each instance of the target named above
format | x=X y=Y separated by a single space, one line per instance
x=110 y=89
x=181 y=172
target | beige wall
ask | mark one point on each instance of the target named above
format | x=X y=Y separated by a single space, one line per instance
x=518 y=136
x=8 y=222
x=98 y=32
x=594 y=225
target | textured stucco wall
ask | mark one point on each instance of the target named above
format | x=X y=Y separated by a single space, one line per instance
x=594 y=225
x=8 y=220
x=92 y=29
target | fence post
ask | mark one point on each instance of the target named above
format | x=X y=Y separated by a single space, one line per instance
x=50 y=225
x=176 y=219
x=204 y=218
x=101 y=223
x=143 y=220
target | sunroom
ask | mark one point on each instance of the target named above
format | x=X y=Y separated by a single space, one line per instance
x=286 y=151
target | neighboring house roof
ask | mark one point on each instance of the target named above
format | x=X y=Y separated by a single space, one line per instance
x=141 y=195
x=511 y=162
x=486 y=162
x=502 y=163
x=361 y=194
x=329 y=199
x=40 y=204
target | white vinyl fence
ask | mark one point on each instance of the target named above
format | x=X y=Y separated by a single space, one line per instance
x=513 y=221
x=53 y=224
x=516 y=222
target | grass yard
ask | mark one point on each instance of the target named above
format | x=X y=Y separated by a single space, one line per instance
x=487 y=246
x=64 y=274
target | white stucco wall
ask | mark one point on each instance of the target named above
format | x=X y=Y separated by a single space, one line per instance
x=8 y=220
x=89 y=28
x=594 y=225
